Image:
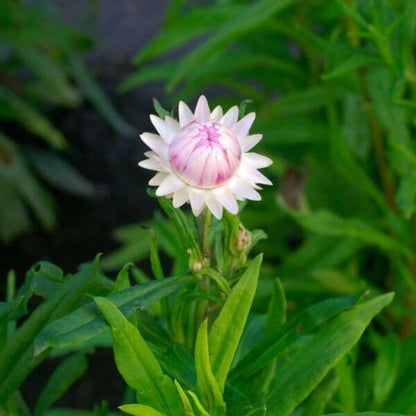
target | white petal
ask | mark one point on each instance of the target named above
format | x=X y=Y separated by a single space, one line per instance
x=158 y=179
x=163 y=128
x=202 y=112
x=185 y=114
x=197 y=200
x=242 y=128
x=152 y=164
x=216 y=113
x=171 y=184
x=248 y=142
x=242 y=188
x=230 y=117
x=172 y=124
x=226 y=198
x=180 y=197
x=164 y=163
x=214 y=206
x=155 y=142
x=252 y=175
x=257 y=161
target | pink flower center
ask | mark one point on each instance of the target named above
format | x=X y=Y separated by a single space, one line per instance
x=204 y=154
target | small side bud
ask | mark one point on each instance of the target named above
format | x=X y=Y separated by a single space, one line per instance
x=196 y=263
x=243 y=239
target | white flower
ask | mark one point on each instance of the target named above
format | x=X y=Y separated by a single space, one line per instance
x=204 y=158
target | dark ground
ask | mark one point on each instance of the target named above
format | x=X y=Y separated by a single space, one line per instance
x=109 y=161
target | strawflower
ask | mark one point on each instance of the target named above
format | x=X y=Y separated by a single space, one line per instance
x=204 y=158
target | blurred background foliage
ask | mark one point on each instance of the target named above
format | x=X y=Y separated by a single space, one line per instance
x=40 y=69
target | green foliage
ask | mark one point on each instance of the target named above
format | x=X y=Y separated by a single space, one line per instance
x=236 y=360
x=64 y=323
x=137 y=364
x=40 y=68
x=333 y=87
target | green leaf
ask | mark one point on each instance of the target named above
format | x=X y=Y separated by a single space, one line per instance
x=206 y=384
x=59 y=173
x=16 y=360
x=227 y=329
x=135 y=246
x=14 y=218
x=198 y=404
x=68 y=372
x=405 y=399
x=185 y=229
x=140 y=410
x=76 y=412
x=326 y=223
x=312 y=361
x=386 y=368
x=86 y=321
x=349 y=65
x=137 y=364
x=161 y=112
x=17 y=175
x=365 y=414
x=276 y=314
x=345 y=372
x=298 y=102
x=318 y=400
x=185 y=400
x=122 y=280
x=194 y=23
x=251 y=17
x=156 y=72
x=277 y=342
x=53 y=78
x=31 y=119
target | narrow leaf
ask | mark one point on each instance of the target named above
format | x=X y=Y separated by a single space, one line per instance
x=250 y=18
x=86 y=321
x=312 y=361
x=227 y=329
x=276 y=314
x=137 y=364
x=60 y=381
x=207 y=387
x=140 y=410
x=386 y=368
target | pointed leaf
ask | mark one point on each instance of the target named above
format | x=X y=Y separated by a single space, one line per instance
x=312 y=361
x=140 y=410
x=68 y=372
x=86 y=321
x=227 y=329
x=137 y=364
x=206 y=384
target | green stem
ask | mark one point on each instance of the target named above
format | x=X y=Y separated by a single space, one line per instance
x=204 y=224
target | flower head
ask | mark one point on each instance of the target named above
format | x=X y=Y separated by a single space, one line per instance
x=204 y=158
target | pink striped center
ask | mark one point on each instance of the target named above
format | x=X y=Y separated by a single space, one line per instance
x=204 y=154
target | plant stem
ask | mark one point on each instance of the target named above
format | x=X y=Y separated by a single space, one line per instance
x=204 y=224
